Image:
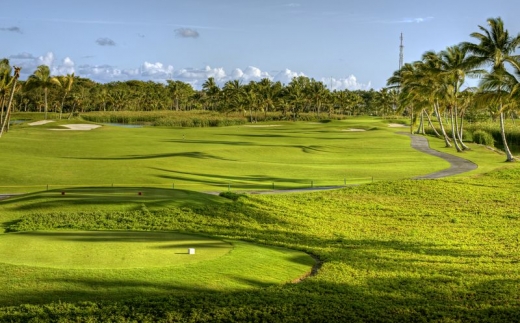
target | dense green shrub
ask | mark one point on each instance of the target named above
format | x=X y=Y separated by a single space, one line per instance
x=483 y=138
x=231 y=195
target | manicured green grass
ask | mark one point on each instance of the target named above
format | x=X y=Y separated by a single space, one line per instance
x=107 y=249
x=285 y=155
x=392 y=251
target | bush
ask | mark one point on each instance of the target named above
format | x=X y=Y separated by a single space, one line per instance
x=483 y=138
x=231 y=195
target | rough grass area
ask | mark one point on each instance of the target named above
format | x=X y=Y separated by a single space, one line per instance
x=397 y=251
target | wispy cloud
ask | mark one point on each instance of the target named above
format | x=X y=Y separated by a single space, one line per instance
x=404 y=21
x=105 y=42
x=13 y=29
x=22 y=56
x=186 y=33
x=116 y=22
x=415 y=20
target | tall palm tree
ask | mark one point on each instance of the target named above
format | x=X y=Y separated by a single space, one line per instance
x=234 y=93
x=317 y=91
x=496 y=48
x=41 y=78
x=212 y=91
x=13 y=88
x=455 y=64
x=65 y=83
x=5 y=84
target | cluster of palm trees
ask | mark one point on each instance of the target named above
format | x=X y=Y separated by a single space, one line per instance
x=44 y=92
x=302 y=94
x=434 y=84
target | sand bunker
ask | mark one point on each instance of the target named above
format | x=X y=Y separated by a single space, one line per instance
x=78 y=126
x=37 y=123
x=354 y=129
x=262 y=125
x=396 y=125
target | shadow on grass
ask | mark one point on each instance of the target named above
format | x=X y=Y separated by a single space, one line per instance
x=373 y=300
x=123 y=198
x=133 y=237
x=262 y=181
x=193 y=154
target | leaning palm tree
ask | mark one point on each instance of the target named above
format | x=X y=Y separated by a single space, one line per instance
x=65 y=83
x=455 y=64
x=5 y=122
x=41 y=78
x=496 y=48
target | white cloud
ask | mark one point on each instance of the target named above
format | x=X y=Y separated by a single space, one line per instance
x=350 y=83
x=159 y=72
x=46 y=59
x=286 y=76
x=155 y=70
x=415 y=20
x=66 y=67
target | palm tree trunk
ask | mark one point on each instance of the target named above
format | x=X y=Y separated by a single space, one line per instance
x=45 y=100
x=421 y=123
x=439 y=119
x=431 y=125
x=454 y=132
x=2 y=99
x=509 y=156
x=459 y=130
x=6 y=118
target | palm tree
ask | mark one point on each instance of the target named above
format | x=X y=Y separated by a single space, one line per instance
x=65 y=83
x=5 y=84
x=454 y=65
x=496 y=48
x=13 y=88
x=234 y=93
x=212 y=91
x=316 y=91
x=41 y=78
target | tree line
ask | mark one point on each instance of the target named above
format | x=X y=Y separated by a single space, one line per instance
x=70 y=94
x=433 y=86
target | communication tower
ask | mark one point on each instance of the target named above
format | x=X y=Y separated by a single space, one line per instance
x=401 y=49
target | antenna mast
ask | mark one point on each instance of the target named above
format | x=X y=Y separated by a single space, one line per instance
x=401 y=49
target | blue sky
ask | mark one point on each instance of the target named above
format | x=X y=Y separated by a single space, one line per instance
x=345 y=44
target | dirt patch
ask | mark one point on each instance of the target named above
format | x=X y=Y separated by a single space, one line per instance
x=38 y=123
x=354 y=130
x=80 y=127
x=396 y=125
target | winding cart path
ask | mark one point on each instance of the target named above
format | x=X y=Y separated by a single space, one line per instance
x=458 y=165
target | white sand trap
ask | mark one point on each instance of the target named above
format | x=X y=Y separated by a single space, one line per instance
x=37 y=123
x=396 y=125
x=262 y=125
x=81 y=127
x=354 y=130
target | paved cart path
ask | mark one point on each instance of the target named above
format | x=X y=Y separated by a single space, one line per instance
x=458 y=165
